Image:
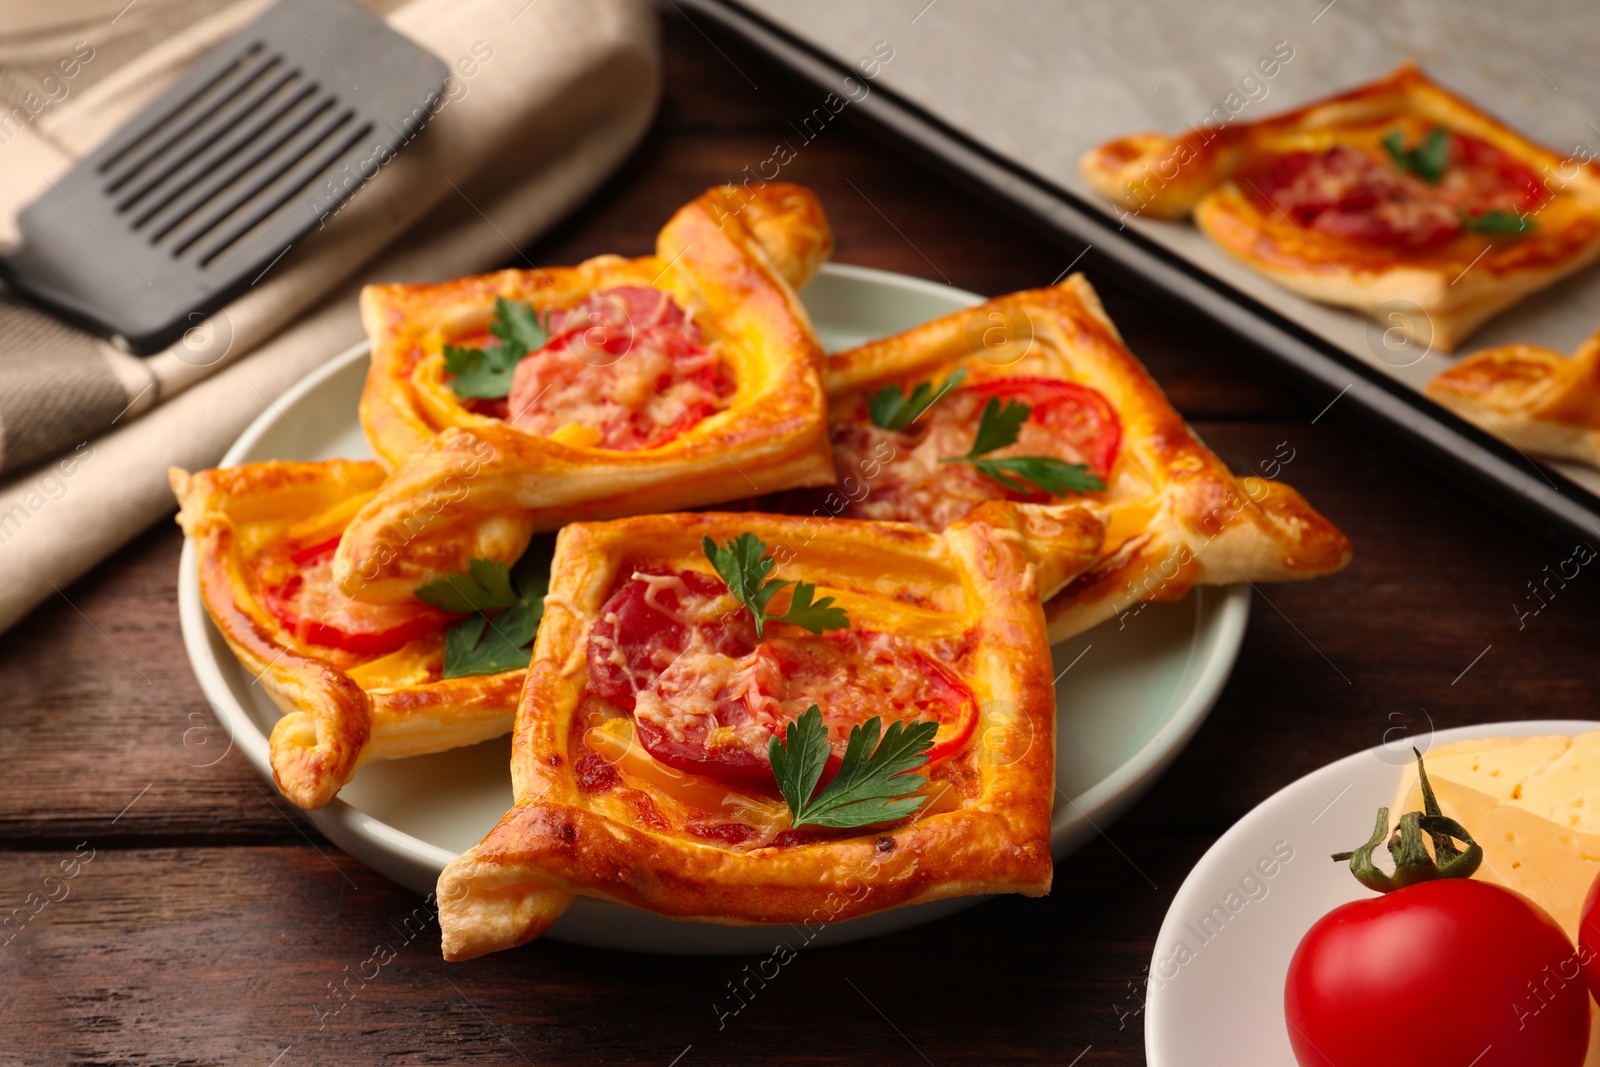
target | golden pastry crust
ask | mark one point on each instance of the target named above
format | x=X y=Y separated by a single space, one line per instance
x=1177 y=516
x=341 y=709
x=407 y=400
x=980 y=578
x=1532 y=397
x=481 y=486
x=1457 y=284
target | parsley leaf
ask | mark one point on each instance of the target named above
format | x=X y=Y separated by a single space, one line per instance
x=1394 y=143
x=485 y=373
x=516 y=323
x=515 y=595
x=1428 y=161
x=873 y=784
x=482 y=373
x=743 y=566
x=1498 y=223
x=1054 y=476
x=1432 y=158
x=892 y=409
x=486 y=585
x=814 y=617
x=999 y=428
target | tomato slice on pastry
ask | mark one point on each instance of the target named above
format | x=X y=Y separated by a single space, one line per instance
x=513 y=403
x=356 y=682
x=626 y=365
x=1398 y=193
x=1068 y=421
x=1175 y=515
x=676 y=653
x=638 y=352
x=642 y=762
x=1354 y=192
x=298 y=588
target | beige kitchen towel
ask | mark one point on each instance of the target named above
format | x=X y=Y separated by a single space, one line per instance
x=545 y=99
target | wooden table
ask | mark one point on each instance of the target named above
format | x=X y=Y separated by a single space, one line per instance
x=213 y=925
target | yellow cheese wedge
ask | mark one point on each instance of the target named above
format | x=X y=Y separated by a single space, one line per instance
x=1550 y=864
x=1567 y=792
x=1498 y=766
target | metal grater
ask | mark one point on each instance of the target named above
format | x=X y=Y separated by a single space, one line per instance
x=266 y=137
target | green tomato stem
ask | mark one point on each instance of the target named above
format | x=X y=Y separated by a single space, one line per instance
x=1413 y=863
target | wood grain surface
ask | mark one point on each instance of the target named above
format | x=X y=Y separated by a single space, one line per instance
x=212 y=925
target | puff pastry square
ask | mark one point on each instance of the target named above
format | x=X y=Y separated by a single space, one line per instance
x=1535 y=398
x=1177 y=515
x=1396 y=191
x=374 y=689
x=603 y=807
x=408 y=399
x=601 y=437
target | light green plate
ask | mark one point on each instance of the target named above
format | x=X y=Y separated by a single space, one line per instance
x=1129 y=694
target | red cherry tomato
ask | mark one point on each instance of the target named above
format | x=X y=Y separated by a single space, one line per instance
x=1447 y=973
x=1589 y=940
x=314 y=611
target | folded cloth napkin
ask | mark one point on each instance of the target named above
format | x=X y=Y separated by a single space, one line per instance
x=545 y=98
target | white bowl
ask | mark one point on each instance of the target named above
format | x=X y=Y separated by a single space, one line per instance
x=1215 y=995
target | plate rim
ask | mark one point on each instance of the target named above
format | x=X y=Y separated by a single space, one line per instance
x=1228 y=608
x=1193 y=890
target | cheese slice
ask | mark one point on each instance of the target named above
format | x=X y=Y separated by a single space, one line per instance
x=1556 y=777
x=1498 y=766
x=1551 y=864
x=1567 y=792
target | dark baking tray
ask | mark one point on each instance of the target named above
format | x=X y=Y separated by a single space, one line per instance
x=1540 y=497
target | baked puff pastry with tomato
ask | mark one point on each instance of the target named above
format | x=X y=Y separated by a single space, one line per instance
x=733 y=718
x=523 y=400
x=1034 y=398
x=1399 y=190
x=356 y=682
x=1534 y=398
